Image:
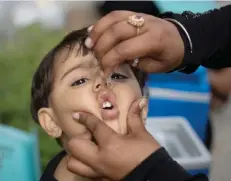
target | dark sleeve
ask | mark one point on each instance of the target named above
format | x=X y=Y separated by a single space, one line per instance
x=48 y=174
x=147 y=7
x=210 y=33
x=160 y=166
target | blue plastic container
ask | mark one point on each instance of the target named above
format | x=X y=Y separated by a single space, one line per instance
x=19 y=156
x=177 y=94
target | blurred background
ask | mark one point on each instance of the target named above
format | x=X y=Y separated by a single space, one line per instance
x=30 y=29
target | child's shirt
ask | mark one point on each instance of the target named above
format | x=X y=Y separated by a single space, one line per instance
x=48 y=174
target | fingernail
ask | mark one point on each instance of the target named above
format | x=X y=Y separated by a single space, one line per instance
x=90 y=28
x=76 y=116
x=88 y=42
x=144 y=114
x=143 y=103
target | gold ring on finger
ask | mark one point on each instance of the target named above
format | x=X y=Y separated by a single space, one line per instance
x=136 y=21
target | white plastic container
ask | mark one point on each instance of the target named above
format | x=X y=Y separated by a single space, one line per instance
x=181 y=141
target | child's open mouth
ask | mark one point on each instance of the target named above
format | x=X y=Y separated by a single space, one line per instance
x=107 y=105
x=109 y=110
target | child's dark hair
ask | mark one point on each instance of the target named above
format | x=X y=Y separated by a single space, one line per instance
x=43 y=77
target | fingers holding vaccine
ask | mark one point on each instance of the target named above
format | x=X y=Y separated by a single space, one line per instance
x=122 y=38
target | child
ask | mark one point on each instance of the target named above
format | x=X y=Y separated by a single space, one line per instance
x=69 y=80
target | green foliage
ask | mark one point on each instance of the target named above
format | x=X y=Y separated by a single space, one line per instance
x=19 y=57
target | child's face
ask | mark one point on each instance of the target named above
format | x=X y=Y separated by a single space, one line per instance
x=79 y=87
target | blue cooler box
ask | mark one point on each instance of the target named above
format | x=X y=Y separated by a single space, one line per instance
x=177 y=94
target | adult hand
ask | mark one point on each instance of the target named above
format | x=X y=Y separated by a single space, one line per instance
x=112 y=156
x=158 y=45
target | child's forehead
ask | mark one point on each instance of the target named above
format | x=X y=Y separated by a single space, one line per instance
x=72 y=56
x=77 y=52
x=73 y=51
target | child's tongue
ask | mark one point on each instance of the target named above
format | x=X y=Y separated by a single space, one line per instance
x=109 y=110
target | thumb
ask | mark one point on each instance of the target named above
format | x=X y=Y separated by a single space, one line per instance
x=134 y=120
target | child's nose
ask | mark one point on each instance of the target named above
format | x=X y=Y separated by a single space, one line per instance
x=97 y=87
x=101 y=83
x=98 y=84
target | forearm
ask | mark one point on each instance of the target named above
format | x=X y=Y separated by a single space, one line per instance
x=210 y=34
x=160 y=166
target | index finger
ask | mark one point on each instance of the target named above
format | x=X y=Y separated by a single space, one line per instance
x=100 y=131
x=108 y=20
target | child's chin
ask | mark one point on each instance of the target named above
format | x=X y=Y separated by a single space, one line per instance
x=115 y=125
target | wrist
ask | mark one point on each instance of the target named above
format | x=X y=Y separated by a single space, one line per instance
x=176 y=19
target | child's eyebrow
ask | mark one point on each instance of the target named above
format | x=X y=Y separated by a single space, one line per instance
x=86 y=64
x=77 y=66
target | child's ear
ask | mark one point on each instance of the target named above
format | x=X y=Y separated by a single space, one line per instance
x=46 y=120
x=144 y=113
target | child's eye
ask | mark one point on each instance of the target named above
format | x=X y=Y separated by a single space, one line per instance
x=79 y=82
x=118 y=76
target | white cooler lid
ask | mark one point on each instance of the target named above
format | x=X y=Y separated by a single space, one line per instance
x=180 y=140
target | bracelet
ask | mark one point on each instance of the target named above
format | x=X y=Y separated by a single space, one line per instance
x=183 y=28
x=188 y=44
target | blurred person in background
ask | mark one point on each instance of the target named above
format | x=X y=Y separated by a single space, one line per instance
x=220 y=117
x=220 y=83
